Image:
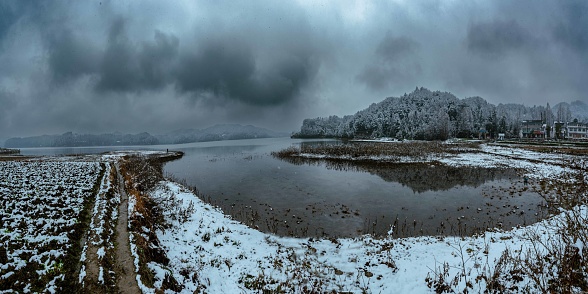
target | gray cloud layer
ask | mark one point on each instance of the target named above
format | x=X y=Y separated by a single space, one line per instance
x=152 y=66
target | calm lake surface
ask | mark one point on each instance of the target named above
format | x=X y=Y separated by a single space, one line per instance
x=322 y=198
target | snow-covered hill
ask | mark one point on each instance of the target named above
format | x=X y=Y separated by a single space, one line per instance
x=578 y=109
x=424 y=114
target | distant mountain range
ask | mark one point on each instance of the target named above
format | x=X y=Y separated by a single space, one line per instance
x=214 y=133
x=425 y=114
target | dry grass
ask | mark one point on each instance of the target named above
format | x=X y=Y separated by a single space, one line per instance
x=579 y=148
x=4 y=151
x=569 y=150
x=555 y=261
x=142 y=174
x=14 y=158
x=357 y=150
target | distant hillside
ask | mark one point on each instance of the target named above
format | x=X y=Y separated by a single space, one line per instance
x=578 y=110
x=218 y=133
x=424 y=114
x=70 y=139
x=214 y=133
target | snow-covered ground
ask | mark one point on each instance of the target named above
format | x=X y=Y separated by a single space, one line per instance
x=41 y=200
x=99 y=243
x=39 y=207
x=210 y=251
x=535 y=164
x=40 y=204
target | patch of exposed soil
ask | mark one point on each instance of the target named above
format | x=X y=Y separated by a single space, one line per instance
x=127 y=282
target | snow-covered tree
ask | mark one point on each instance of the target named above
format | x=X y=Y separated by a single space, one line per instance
x=424 y=114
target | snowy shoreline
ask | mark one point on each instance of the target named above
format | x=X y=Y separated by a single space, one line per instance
x=210 y=251
x=225 y=256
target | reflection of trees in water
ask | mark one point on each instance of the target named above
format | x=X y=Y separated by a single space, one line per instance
x=420 y=177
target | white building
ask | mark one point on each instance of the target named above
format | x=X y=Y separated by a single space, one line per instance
x=577 y=130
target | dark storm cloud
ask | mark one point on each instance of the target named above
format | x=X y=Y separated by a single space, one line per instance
x=145 y=65
x=216 y=67
x=393 y=63
x=8 y=16
x=122 y=65
x=118 y=69
x=70 y=56
x=572 y=29
x=497 y=37
x=127 y=67
x=157 y=59
x=228 y=68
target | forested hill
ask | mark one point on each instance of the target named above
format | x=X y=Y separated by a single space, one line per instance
x=214 y=133
x=424 y=114
x=70 y=139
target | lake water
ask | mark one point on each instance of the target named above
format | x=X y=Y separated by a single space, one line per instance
x=56 y=151
x=323 y=198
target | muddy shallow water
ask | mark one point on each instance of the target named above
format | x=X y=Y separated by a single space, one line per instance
x=328 y=198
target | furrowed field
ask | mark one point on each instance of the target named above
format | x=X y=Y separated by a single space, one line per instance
x=42 y=204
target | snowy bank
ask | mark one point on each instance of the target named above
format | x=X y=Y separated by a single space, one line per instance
x=209 y=251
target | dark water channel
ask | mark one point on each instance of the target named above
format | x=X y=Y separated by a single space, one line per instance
x=328 y=198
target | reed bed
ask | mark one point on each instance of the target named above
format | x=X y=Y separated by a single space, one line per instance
x=417 y=150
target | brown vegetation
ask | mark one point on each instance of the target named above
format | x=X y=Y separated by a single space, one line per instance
x=418 y=150
x=555 y=260
x=4 y=151
x=141 y=175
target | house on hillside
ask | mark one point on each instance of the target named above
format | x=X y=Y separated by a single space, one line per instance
x=532 y=129
x=577 y=131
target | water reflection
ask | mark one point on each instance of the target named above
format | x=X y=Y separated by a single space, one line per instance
x=309 y=198
x=420 y=177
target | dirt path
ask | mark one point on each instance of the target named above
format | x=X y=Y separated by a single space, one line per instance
x=127 y=278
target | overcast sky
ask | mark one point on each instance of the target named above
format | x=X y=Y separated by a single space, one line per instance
x=156 y=66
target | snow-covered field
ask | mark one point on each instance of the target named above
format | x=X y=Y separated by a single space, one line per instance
x=535 y=164
x=40 y=202
x=98 y=249
x=209 y=252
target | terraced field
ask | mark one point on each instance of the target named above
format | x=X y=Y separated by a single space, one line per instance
x=42 y=206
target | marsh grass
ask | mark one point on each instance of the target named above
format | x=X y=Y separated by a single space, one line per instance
x=141 y=175
x=417 y=150
x=4 y=151
x=554 y=259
